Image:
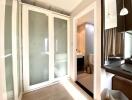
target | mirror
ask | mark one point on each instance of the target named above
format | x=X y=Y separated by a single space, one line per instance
x=117 y=34
x=128 y=45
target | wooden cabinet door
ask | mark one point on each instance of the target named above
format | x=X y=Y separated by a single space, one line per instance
x=120 y=19
x=128 y=18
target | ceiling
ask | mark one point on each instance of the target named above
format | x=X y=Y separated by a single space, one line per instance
x=65 y=5
x=88 y=18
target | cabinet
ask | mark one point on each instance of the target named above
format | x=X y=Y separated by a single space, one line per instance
x=128 y=18
x=122 y=84
x=110 y=14
x=120 y=19
x=113 y=18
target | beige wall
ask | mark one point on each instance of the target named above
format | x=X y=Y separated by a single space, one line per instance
x=81 y=39
x=81 y=6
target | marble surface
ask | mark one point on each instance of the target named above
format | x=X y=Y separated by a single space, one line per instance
x=117 y=69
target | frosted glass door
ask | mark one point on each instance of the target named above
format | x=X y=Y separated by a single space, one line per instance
x=38 y=48
x=44 y=47
x=60 y=44
x=35 y=47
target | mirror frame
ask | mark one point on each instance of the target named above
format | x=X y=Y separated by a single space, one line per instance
x=102 y=31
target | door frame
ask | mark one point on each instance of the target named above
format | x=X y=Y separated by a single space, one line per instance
x=97 y=47
x=16 y=16
x=3 y=94
x=3 y=91
x=90 y=8
x=25 y=24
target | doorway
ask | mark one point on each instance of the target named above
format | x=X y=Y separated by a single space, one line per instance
x=91 y=8
x=85 y=51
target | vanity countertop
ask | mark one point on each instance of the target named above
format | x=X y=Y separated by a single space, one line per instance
x=80 y=55
x=118 y=69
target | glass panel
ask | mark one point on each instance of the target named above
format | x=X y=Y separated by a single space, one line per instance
x=128 y=45
x=38 y=48
x=60 y=42
x=18 y=52
x=8 y=50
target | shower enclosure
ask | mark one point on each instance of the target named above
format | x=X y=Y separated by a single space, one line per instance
x=45 y=47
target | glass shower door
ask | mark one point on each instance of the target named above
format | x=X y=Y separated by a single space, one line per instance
x=60 y=47
x=45 y=47
x=35 y=47
x=38 y=48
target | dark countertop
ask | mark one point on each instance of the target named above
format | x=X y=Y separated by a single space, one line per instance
x=116 y=68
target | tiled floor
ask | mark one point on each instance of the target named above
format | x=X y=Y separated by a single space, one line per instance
x=86 y=80
x=60 y=91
